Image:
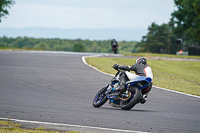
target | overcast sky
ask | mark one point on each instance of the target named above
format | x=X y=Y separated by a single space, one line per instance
x=67 y=14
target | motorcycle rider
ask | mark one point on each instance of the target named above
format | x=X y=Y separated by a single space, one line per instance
x=142 y=69
x=114 y=44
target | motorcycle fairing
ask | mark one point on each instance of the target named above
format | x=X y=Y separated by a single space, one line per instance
x=139 y=81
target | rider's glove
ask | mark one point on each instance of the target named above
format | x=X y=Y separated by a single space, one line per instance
x=115 y=66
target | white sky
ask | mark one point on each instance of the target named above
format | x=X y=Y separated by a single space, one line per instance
x=68 y=14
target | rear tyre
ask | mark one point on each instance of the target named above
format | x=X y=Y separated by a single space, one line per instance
x=115 y=50
x=133 y=100
x=100 y=98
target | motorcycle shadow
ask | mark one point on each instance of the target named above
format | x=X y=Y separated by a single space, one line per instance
x=134 y=110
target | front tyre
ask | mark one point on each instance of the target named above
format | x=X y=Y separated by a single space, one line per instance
x=100 y=98
x=133 y=100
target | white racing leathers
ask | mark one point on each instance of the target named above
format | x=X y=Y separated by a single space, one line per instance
x=148 y=72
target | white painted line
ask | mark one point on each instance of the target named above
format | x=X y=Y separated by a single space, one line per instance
x=69 y=125
x=83 y=59
x=177 y=92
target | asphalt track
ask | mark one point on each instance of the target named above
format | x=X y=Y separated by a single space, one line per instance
x=58 y=88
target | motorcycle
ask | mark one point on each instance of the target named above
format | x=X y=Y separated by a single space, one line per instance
x=115 y=49
x=127 y=99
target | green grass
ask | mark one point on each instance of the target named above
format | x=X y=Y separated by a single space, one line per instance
x=183 y=76
x=161 y=55
x=10 y=127
x=9 y=123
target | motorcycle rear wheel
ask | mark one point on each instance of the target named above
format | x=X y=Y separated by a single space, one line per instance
x=134 y=99
x=115 y=50
x=100 y=98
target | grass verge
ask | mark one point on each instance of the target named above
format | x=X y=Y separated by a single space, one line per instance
x=10 y=127
x=161 y=55
x=183 y=76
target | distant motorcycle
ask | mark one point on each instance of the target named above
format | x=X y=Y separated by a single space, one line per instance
x=114 y=49
x=125 y=99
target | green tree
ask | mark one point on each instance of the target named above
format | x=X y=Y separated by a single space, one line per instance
x=187 y=19
x=159 y=39
x=56 y=48
x=4 y=5
x=155 y=40
x=41 y=46
x=79 y=47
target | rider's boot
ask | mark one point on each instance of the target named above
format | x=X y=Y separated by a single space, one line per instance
x=122 y=81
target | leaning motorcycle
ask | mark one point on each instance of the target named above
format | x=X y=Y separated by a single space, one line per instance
x=127 y=99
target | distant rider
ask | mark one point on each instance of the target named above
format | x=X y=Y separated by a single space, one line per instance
x=142 y=69
x=114 y=43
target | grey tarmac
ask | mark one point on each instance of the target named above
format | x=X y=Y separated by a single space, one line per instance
x=59 y=88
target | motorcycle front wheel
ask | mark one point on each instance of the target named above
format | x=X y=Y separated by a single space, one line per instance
x=100 y=98
x=133 y=100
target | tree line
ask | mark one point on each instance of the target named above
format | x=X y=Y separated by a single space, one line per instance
x=76 y=45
